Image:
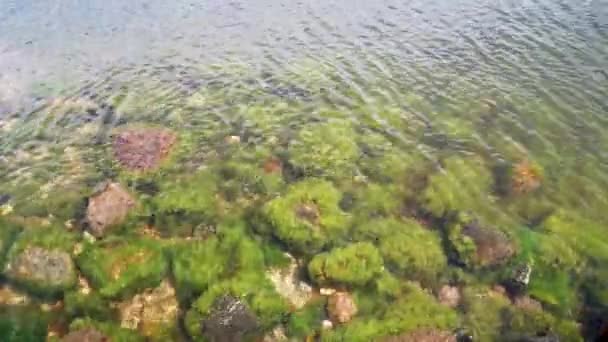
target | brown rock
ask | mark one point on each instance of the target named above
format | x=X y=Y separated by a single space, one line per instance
x=85 y=335
x=493 y=247
x=107 y=208
x=449 y=296
x=528 y=304
x=341 y=307
x=423 y=335
x=143 y=149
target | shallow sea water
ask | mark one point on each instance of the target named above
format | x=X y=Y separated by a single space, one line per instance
x=395 y=149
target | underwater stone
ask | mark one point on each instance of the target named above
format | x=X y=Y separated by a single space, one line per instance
x=449 y=296
x=287 y=284
x=109 y=207
x=142 y=149
x=151 y=312
x=423 y=335
x=85 y=335
x=230 y=321
x=44 y=267
x=341 y=307
x=492 y=247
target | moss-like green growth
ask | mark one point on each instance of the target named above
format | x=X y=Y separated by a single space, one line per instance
x=308 y=216
x=553 y=263
x=325 y=149
x=114 y=332
x=199 y=264
x=584 y=236
x=23 y=325
x=90 y=305
x=476 y=245
x=407 y=247
x=412 y=309
x=230 y=265
x=464 y=184
x=354 y=265
x=121 y=267
x=183 y=203
x=40 y=261
x=533 y=322
x=483 y=312
x=258 y=294
x=375 y=200
x=307 y=320
x=8 y=234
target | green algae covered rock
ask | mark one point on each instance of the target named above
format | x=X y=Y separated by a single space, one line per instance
x=355 y=264
x=523 y=321
x=464 y=184
x=489 y=315
x=90 y=305
x=478 y=246
x=375 y=200
x=40 y=261
x=229 y=268
x=412 y=309
x=198 y=264
x=111 y=330
x=120 y=267
x=184 y=203
x=325 y=149
x=308 y=217
x=258 y=307
x=483 y=312
x=407 y=247
x=306 y=320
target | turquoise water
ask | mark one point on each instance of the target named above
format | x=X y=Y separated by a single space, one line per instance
x=397 y=151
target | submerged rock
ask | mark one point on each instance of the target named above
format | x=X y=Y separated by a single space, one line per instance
x=230 y=320
x=492 y=246
x=423 y=335
x=449 y=296
x=85 y=335
x=287 y=284
x=152 y=312
x=42 y=267
x=108 y=207
x=341 y=307
x=142 y=149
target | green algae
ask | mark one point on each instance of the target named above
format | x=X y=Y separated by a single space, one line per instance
x=325 y=149
x=233 y=265
x=308 y=217
x=353 y=265
x=122 y=267
x=23 y=325
x=370 y=194
x=408 y=248
x=412 y=309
